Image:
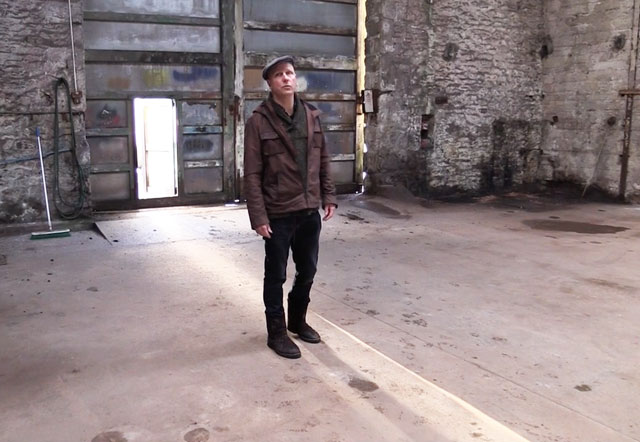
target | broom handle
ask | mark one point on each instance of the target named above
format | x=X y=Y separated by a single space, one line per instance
x=44 y=180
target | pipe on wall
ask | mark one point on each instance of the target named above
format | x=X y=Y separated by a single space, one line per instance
x=628 y=120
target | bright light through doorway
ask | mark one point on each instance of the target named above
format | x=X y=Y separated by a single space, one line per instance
x=156 y=147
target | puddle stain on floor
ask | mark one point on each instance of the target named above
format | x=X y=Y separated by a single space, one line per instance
x=197 y=435
x=379 y=208
x=363 y=385
x=110 y=436
x=572 y=226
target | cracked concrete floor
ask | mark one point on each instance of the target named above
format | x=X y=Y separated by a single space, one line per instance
x=501 y=320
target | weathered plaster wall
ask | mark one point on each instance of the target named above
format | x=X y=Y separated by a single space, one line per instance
x=35 y=51
x=396 y=56
x=474 y=73
x=588 y=49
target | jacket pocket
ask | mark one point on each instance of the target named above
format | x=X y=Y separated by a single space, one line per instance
x=318 y=135
x=270 y=143
x=273 y=156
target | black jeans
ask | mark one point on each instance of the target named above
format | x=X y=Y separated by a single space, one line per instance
x=301 y=234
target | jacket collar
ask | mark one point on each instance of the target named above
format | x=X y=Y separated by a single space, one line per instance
x=266 y=109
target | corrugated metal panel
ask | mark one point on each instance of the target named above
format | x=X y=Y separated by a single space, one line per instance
x=110 y=186
x=109 y=150
x=321 y=35
x=184 y=8
x=103 y=79
x=158 y=48
x=336 y=112
x=298 y=43
x=203 y=180
x=302 y=12
x=316 y=81
x=202 y=147
x=340 y=143
x=121 y=36
x=197 y=113
x=106 y=114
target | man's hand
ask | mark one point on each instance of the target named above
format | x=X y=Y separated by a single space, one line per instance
x=329 y=210
x=264 y=230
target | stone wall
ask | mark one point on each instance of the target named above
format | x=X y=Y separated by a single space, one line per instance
x=35 y=51
x=586 y=64
x=473 y=97
x=460 y=104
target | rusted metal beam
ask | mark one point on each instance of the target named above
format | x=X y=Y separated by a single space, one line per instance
x=161 y=94
x=338 y=63
x=109 y=56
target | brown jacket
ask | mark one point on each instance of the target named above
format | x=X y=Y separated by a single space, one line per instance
x=272 y=180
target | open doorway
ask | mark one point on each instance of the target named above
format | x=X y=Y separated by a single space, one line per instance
x=156 y=147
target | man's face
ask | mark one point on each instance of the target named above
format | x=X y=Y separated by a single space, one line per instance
x=282 y=80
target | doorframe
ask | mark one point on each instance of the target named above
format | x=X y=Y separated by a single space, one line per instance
x=230 y=102
x=225 y=59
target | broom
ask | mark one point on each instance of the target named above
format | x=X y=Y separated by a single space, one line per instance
x=50 y=233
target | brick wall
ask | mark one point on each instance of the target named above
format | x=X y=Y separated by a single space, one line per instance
x=35 y=51
x=588 y=48
x=472 y=74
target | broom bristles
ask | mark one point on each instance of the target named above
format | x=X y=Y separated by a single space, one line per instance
x=51 y=234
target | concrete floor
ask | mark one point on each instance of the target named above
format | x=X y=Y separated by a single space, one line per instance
x=505 y=319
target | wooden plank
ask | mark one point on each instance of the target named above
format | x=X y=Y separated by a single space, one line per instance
x=288 y=27
x=339 y=63
x=147 y=18
x=150 y=57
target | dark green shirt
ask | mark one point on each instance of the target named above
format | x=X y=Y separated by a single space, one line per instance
x=296 y=127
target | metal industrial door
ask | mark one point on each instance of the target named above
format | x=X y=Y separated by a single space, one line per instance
x=322 y=36
x=181 y=51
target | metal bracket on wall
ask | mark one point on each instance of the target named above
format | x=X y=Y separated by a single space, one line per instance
x=624 y=92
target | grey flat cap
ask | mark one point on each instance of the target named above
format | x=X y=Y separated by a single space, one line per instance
x=275 y=61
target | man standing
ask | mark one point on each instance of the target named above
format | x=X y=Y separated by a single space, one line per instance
x=286 y=180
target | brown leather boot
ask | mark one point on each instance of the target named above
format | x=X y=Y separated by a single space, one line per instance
x=278 y=340
x=297 y=312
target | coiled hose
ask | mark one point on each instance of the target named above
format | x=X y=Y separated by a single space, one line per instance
x=72 y=210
